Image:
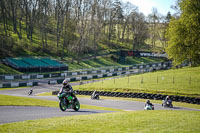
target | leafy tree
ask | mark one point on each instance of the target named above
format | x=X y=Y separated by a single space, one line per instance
x=168 y=17
x=184 y=34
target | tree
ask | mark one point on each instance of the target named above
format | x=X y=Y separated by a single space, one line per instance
x=139 y=29
x=128 y=9
x=154 y=21
x=44 y=7
x=184 y=34
x=114 y=12
x=3 y=12
x=168 y=17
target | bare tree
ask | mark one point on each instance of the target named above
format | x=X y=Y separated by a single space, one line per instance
x=113 y=13
x=128 y=9
x=139 y=29
x=153 y=21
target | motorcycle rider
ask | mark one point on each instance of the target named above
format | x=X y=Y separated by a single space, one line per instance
x=95 y=95
x=148 y=103
x=30 y=91
x=168 y=100
x=67 y=88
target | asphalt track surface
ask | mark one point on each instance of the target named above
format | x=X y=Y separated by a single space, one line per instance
x=10 y=114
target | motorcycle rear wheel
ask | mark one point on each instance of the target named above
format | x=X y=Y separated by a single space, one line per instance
x=76 y=106
x=97 y=97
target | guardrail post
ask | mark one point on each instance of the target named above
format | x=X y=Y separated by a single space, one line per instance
x=141 y=81
x=190 y=80
x=128 y=79
x=157 y=78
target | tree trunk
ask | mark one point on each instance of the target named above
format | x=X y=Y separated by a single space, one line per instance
x=4 y=16
x=123 y=32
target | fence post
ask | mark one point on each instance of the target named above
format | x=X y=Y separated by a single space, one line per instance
x=141 y=81
x=190 y=80
x=157 y=78
x=128 y=79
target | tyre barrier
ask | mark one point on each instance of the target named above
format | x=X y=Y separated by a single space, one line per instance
x=191 y=100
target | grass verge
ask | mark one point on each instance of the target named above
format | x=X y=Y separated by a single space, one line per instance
x=119 y=122
x=7 y=70
x=6 y=100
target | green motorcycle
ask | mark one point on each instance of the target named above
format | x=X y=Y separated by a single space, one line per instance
x=68 y=102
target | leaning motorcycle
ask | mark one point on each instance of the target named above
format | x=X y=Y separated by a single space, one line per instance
x=167 y=104
x=30 y=92
x=148 y=107
x=68 y=102
x=95 y=96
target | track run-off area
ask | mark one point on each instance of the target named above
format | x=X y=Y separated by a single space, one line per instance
x=10 y=114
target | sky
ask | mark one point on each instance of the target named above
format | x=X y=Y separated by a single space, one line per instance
x=145 y=6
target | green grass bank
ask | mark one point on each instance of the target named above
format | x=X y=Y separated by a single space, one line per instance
x=6 y=100
x=119 y=122
x=182 y=82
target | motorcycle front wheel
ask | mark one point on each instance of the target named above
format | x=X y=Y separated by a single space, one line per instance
x=62 y=106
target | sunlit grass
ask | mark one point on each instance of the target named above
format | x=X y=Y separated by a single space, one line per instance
x=184 y=82
x=120 y=122
x=6 y=100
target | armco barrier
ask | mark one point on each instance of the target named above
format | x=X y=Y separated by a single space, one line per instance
x=163 y=65
x=18 y=84
x=98 y=76
x=191 y=100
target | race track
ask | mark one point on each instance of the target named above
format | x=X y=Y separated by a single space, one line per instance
x=20 y=113
x=10 y=114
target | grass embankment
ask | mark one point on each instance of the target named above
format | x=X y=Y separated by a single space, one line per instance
x=120 y=122
x=7 y=70
x=107 y=62
x=24 y=101
x=185 y=82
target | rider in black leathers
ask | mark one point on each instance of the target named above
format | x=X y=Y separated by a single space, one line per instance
x=149 y=103
x=67 y=88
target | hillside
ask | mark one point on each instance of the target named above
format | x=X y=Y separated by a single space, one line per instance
x=12 y=46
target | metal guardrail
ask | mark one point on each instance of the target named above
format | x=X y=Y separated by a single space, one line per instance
x=101 y=70
x=18 y=80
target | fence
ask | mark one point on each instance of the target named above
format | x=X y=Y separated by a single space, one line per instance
x=85 y=74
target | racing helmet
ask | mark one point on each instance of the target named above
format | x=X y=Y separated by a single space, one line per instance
x=148 y=101
x=65 y=82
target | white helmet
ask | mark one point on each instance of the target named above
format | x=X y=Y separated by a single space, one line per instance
x=65 y=82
